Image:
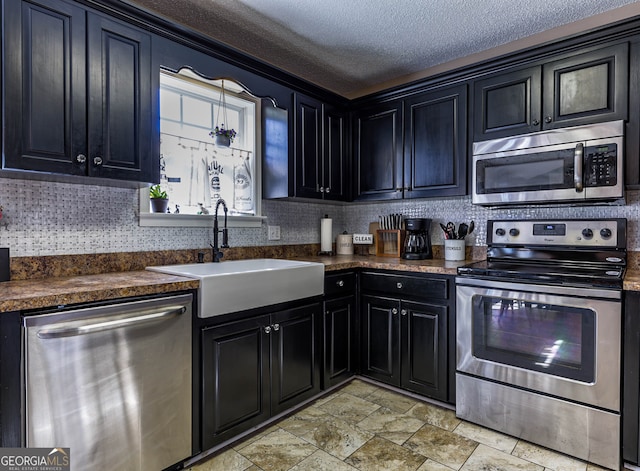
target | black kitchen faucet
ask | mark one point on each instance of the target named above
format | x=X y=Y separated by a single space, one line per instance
x=216 y=252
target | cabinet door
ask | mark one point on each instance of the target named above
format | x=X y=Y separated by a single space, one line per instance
x=435 y=155
x=295 y=351
x=380 y=343
x=45 y=86
x=308 y=147
x=235 y=375
x=378 y=152
x=587 y=88
x=339 y=333
x=507 y=104
x=119 y=111
x=336 y=162
x=424 y=349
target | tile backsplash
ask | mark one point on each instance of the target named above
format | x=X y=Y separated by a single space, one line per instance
x=49 y=218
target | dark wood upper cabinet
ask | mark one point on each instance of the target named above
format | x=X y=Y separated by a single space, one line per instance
x=435 y=152
x=378 y=152
x=321 y=165
x=582 y=89
x=308 y=147
x=77 y=89
x=507 y=104
x=587 y=88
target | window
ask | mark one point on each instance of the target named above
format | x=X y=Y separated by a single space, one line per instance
x=195 y=171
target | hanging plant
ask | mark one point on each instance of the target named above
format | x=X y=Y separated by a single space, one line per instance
x=223 y=137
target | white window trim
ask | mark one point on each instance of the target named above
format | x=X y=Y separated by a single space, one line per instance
x=148 y=219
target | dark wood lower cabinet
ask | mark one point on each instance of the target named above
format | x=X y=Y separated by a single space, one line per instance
x=257 y=367
x=404 y=340
x=339 y=321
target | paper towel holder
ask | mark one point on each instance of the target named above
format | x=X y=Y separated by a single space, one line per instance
x=326 y=246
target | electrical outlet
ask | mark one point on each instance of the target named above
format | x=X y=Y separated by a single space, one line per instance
x=273 y=232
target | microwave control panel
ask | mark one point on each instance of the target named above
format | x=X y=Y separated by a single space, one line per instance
x=600 y=165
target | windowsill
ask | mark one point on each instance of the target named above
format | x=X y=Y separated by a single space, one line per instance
x=197 y=220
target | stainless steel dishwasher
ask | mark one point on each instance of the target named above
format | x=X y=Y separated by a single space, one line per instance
x=112 y=383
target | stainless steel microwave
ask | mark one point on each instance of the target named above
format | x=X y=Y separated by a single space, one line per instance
x=577 y=164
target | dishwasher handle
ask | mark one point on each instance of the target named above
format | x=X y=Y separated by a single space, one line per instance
x=93 y=328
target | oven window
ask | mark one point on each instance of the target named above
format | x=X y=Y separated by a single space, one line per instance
x=557 y=340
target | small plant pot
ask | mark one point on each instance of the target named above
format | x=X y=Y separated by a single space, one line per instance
x=159 y=205
x=223 y=141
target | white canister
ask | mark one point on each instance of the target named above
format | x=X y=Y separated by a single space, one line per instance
x=454 y=249
x=344 y=244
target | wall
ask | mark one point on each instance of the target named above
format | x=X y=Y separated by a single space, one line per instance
x=46 y=218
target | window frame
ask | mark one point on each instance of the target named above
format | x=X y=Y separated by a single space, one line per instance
x=149 y=219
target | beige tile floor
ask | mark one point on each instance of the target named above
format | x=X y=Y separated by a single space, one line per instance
x=363 y=427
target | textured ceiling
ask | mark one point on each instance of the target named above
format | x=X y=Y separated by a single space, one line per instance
x=358 y=46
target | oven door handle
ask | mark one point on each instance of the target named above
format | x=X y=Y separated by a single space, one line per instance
x=578 y=159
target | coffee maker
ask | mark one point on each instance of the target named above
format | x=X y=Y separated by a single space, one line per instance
x=417 y=243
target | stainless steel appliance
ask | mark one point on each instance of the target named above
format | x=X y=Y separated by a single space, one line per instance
x=417 y=243
x=577 y=164
x=112 y=383
x=539 y=328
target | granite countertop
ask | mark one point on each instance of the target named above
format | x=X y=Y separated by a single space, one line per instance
x=345 y=262
x=35 y=294
x=632 y=280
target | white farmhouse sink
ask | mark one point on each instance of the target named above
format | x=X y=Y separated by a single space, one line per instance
x=238 y=285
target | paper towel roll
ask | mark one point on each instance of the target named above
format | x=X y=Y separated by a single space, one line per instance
x=326 y=232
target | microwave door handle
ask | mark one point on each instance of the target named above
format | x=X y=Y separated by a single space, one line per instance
x=578 y=157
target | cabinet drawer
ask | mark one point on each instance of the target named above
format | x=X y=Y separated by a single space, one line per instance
x=340 y=283
x=405 y=285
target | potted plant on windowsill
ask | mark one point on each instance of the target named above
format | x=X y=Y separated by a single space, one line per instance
x=223 y=137
x=159 y=199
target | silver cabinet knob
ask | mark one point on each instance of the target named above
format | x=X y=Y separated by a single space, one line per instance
x=81 y=158
x=340 y=283
x=267 y=329
x=403 y=312
x=321 y=189
x=399 y=285
x=394 y=311
x=276 y=327
x=535 y=122
x=548 y=119
x=326 y=190
x=97 y=160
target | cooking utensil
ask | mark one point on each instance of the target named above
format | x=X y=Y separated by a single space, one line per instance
x=444 y=229
x=463 y=230
x=451 y=229
x=472 y=225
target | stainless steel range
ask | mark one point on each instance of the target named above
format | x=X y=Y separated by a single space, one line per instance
x=539 y=328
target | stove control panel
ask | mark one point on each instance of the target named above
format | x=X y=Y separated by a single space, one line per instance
x=573 y=232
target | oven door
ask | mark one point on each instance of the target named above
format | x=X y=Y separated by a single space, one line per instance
x=560 y=341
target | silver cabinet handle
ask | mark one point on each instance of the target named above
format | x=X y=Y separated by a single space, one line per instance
x=548 y=119
x=394 y=311
x=535 y=122
x=578 y=158
x=276 y=327
x=110 y=325
x=403 y=312
x=267 y=329
x=399 y=285
x=321 y=189
x=326 y=190
x=340 y=283
x=81 y=158
x=97 y=160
